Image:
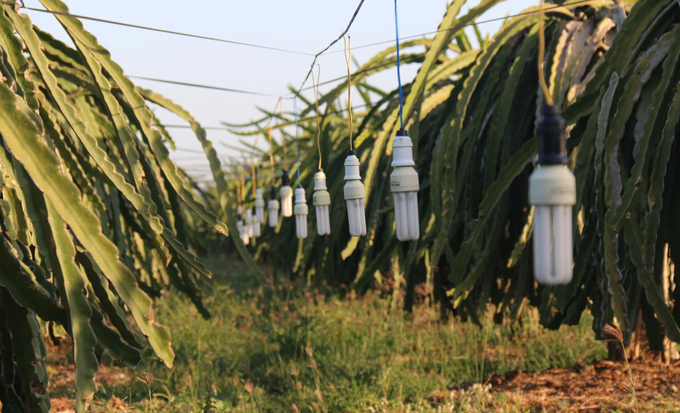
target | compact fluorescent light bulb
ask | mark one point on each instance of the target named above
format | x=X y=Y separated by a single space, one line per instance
x=286 y=196
x=249 y=223
x=240 y=225
x=552 y=192
x=322 y=202
x=259 y=206
x=301 y=212
x=273 y=208
x=257 y=227
x=404 y=185
x=354 y=195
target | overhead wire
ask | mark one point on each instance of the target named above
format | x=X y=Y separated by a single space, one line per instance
x=325 y=52
x=462 y=26
x=154 y=29
x=222 y=89
x=342 y=35
x=368 y=69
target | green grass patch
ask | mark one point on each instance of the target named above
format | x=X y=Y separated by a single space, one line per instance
x=285 y=347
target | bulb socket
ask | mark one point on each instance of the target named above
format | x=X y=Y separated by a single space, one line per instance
x=272 y=194
x=552 y=137
x=285 y=179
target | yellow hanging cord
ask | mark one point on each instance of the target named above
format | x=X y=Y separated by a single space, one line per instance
x=243 y=187
x=348 y=59
x=271 y=150
x=283 y=135
x=254 y=165
x=318 y=121
x=238 y=186
x=541 y=56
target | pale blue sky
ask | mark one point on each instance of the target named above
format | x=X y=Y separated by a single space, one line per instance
x=303 y=25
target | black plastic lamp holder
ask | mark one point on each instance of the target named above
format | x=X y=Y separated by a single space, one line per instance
x=402 y=132
x=285 y=179
x=552 y=137
x=272 y=194
x=351 y=152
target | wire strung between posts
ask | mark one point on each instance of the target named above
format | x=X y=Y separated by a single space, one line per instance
x=222 y=89
x=462 y=26
x=302 y=89
x=318 y=121
x=342 y=36
x=541 y=56
x=348 y=59
x=297 y=144
x=401 y=94
x=153 y=29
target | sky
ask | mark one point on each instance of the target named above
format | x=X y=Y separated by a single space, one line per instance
x=301 y=25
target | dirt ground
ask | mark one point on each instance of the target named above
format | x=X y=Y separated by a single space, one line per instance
x=602 y=386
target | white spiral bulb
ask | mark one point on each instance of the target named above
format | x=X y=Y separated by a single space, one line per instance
x=322 y=202
x=404 y=186
x=301 y=212
x=259 y=206
x=355 y=193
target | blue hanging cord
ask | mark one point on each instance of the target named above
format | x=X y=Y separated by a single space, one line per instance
x=297 y=144
x=401 y=94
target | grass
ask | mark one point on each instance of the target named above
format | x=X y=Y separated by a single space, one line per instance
x=286 y=348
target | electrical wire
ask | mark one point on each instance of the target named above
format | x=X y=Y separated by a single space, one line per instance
x=541 y=56
x=153 y=29
x=302 y=89
x=348 y=59
x=461 y=26
x=189 y=127
x=401 y=93
x=297 y=143
x=318 y=121
x=342 y=35
x=222 y=89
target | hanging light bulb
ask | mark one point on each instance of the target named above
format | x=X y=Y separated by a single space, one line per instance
x=259 y=206
x=322 y=202
x=243 y=233
x=286 y=196
x=354 y=195
x=239 y=225
x=273 y=208
x=301 y=212
x=249 y=223
x=552 y=192
x=404 y=185
x=257 y=227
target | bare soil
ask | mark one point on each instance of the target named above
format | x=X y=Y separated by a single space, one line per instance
x=602 y=386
